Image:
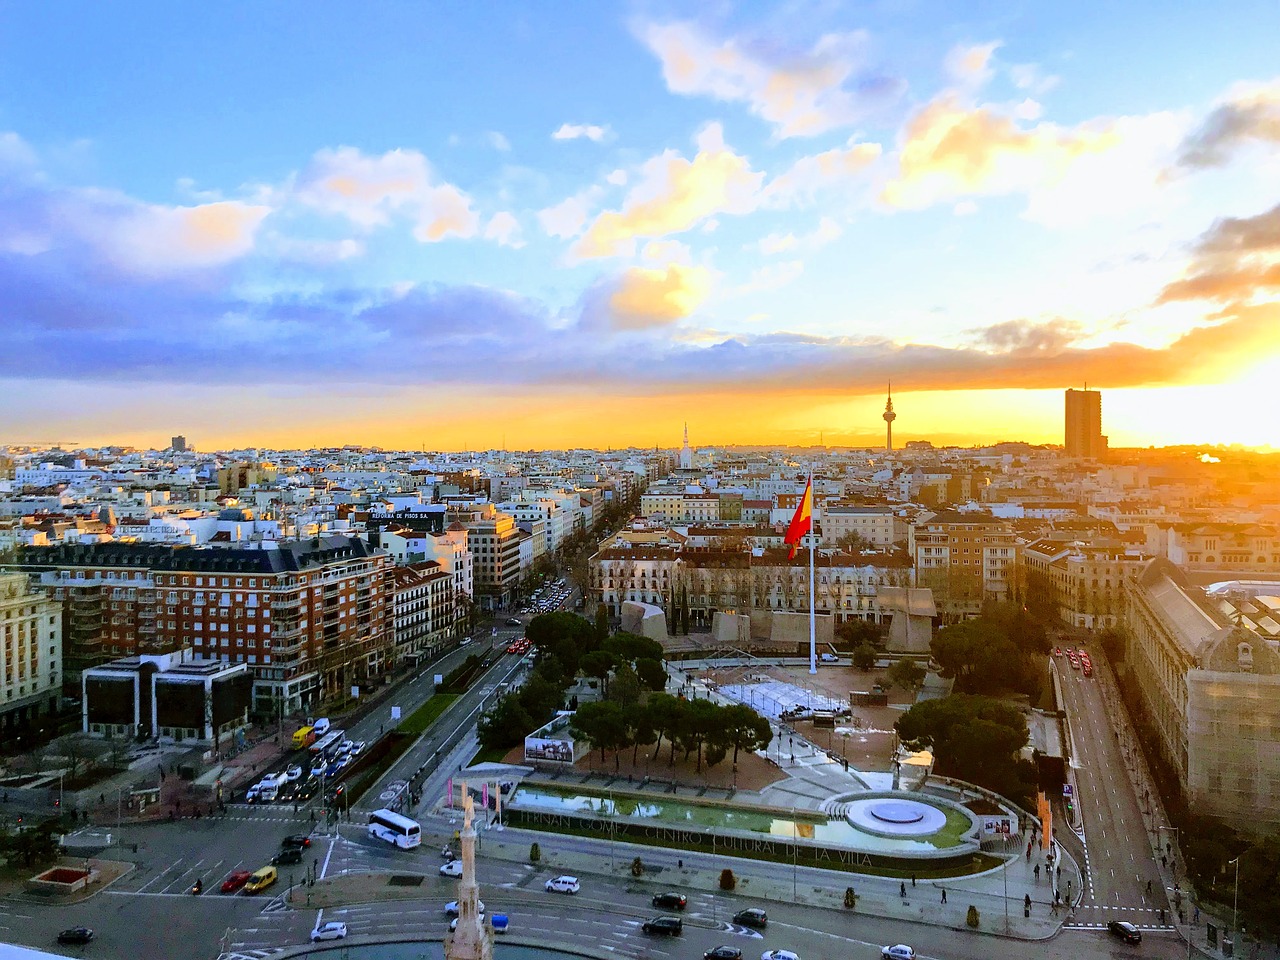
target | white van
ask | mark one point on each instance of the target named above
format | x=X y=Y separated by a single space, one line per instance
x=321 y=726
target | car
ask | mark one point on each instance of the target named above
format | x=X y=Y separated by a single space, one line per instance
x=670 y=900
x=451 y=869
x=779 y=955
x=329 y=930
x=287 y=857
x=829 y=658
x=564 y=884
x=262 y=878
x=76 y=935
x=1057 y=651
x=899 y=951
x=511 y=648
x=319 y=767
x=514 y=622
x=1082 y=652
x=1075 y=662
x=297 y=841
x=1125 y=930
x=308 y=788
x=293 y=772
x=667 y=926
x=723 y=952
x=235 y=880
x=451 y=908
x=752 y=917
x=333 y=769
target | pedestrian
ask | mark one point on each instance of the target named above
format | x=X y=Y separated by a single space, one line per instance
x=902 y=890
x=1164 y=861
x=944 y=894
x=1148 y=886
x=1059 y=874
x=913 y=880
x=1037 y=873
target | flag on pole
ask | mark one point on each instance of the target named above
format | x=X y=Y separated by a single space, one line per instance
x=801 y=522
x=484 y=799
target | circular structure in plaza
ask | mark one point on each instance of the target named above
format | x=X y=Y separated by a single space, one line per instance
x=895 y=811
x=895 y=817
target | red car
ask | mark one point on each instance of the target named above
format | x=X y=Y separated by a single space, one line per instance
x=237 y=880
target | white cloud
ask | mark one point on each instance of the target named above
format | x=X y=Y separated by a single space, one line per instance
x=568 y=217
x=499 y=141
x=965 y=208
x=800 y=184
x=674 y=195
x=772 y=276
x=827 y=231
x=577 y=131
x=801 y=93
x=1029 y=77
x=969 y=65
x=618 y=178
x=369 y=190
x=504 y=229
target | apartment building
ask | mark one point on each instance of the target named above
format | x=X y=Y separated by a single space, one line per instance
x=494 y=540
x=424 y=614
x=966 y=559
x=872 y=524
x=1086 y=580
x=309 y=618
x=30 y=653
x=1211 y=689
x=1232 y=547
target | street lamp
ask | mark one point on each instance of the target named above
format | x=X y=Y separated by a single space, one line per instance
x=1004 y=874
x=1235 y=900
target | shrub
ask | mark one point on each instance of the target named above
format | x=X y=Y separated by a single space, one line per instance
x=535 y=853
x=637 y=867
x=850 y=898
x=727 y=880
x=971 y=918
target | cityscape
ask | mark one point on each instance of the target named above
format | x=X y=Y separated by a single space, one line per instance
x=639 y=481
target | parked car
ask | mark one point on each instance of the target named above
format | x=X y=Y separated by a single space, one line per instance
x=564 y=884
x=779 y=955
x=330 y=930
x=899 y=951
x=670 y=900
x=1125 y=930
x=298 y=840
x=752 y=917
x=723 y=952
x=451 y=869
x=235 y=880
x=667 y=926
x=451 y=908
x=287 y=857
x=76 y=935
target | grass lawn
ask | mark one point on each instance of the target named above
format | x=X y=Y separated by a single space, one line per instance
x=421 y=719
x=491 y=755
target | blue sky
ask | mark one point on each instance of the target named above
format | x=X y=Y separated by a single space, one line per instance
x=584 y=223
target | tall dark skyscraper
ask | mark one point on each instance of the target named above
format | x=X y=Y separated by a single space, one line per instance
x=1083 y=434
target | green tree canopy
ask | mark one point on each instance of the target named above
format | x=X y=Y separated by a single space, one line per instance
x=864 y=656
x=652 y=674
x=974 y=738
x=907 y=674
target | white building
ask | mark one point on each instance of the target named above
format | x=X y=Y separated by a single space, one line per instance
x=31 y=667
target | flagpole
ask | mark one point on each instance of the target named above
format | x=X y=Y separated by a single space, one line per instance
x=813 y=623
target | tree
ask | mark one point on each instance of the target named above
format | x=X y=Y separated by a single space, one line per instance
x=624 y=688
x=602 y=623
x=727 y=880
x=662 y=712
x=597 y=664
x=506 y=724
x=746 y=729
x=602 y=724
x=652 y=674
x=854 y=542
x=857 y=631
x=907 y=674
x=974 y=738
x=864 y=656
x=630 y=648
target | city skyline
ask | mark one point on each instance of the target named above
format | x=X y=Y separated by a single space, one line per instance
x=287 y=232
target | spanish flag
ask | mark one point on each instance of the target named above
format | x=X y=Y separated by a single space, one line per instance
x=801 y=522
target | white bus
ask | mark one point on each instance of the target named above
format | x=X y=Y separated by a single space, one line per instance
x=395 y=829
x=329 y=740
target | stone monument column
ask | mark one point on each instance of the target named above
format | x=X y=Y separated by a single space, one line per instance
x=472 y=939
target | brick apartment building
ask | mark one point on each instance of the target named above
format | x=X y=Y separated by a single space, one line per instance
x=309 y=618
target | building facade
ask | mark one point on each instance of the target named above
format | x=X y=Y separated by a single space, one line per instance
x=308 y=618
x=30 y=655
x=1082 y=433
x=1211 y=689
x=966 y=559
x=423 y=612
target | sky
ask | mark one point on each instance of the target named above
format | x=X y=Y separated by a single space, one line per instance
x=528 y=225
